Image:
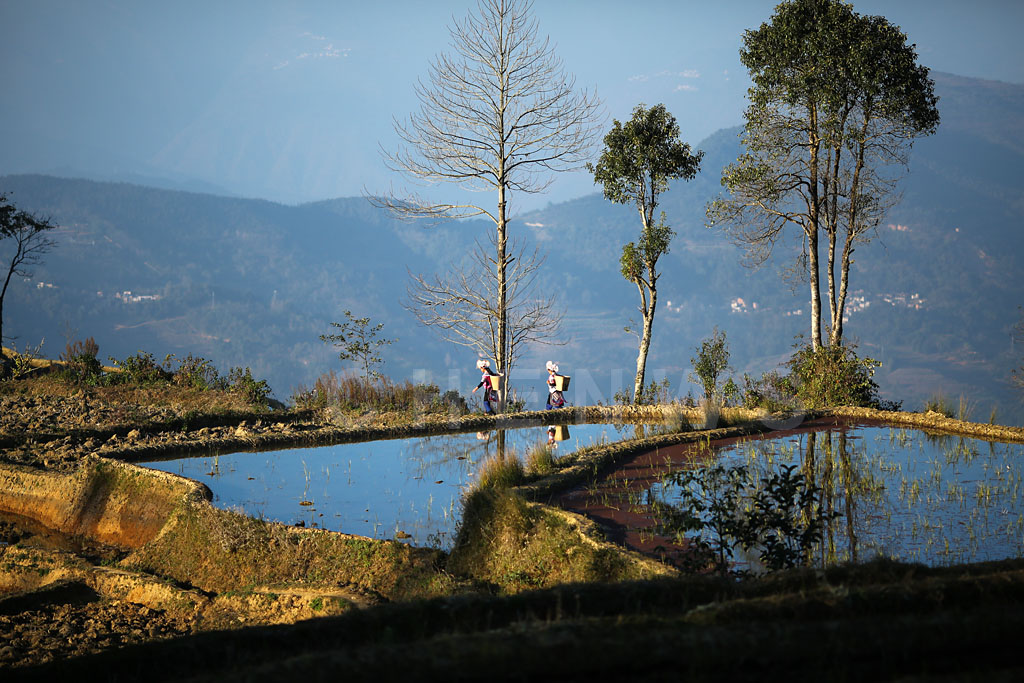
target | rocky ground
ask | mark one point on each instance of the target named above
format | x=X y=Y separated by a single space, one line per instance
x=62 y=631
x=69 y=619
x=56 y=432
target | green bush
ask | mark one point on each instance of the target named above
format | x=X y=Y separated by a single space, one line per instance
x=711 y=361
x=140 y=369
x=195 y=372
x=830 y=376
x=833 y=376
x=242 y=382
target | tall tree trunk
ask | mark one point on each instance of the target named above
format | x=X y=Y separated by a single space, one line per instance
x=852 y=231
x=645 y=341
x=832 y=230
x=833 y=307
x=502 y=360
x=812 y=273
x=844 y=278
x=814 y=210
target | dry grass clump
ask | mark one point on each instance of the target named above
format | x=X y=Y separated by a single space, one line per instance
x=352 y=392
x=516 y=545
x=940 y=403
x=502 y=471
x=540 y=461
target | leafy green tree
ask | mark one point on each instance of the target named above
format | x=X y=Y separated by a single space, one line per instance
x=711 y=361
x=639 y=159
x=836 y=103
x=358 y=342
x=24 y=240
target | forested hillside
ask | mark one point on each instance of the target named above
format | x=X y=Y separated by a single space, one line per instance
x=253 y=283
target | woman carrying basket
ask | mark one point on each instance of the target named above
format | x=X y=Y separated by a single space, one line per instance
x=490 y=395
x=555 y=398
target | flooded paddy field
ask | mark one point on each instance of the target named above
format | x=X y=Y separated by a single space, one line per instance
x=407 y=489
x=882 y=491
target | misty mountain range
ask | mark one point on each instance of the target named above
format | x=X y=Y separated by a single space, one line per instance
x=254 y=283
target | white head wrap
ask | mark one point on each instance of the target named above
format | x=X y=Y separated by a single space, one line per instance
x=483 y=363
x=551 y=366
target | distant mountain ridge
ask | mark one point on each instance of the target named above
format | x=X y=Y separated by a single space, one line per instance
x=251 y=282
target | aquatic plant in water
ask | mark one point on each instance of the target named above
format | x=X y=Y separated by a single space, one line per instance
x=722 y=508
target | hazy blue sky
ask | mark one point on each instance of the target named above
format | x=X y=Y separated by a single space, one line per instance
x=290 y=100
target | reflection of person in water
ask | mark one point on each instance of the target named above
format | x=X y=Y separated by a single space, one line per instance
x=551 y=437
x=490 y=395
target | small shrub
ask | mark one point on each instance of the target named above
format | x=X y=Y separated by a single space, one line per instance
x=81 y=364
x=140 y=369
x=513 y=403
x=773 y=392
x=20 y=365
x=938 y=403
x=711 y=361
x=254 y=392
x=194 y=372
x=731 y=394
x=453 y=402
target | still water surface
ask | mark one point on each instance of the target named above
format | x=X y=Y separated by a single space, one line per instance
x=380 y=489
x=891 y=492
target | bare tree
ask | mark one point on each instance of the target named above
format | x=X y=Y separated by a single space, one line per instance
x=463 y=304
x=499 y=114
x=23 y=243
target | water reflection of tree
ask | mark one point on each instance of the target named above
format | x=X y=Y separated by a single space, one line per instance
x=433 y=454
x=916 y=496
x=430 y=455
x=830 y=466
x=837 y=491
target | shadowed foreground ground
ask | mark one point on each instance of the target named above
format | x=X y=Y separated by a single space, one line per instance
x=882 y=621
